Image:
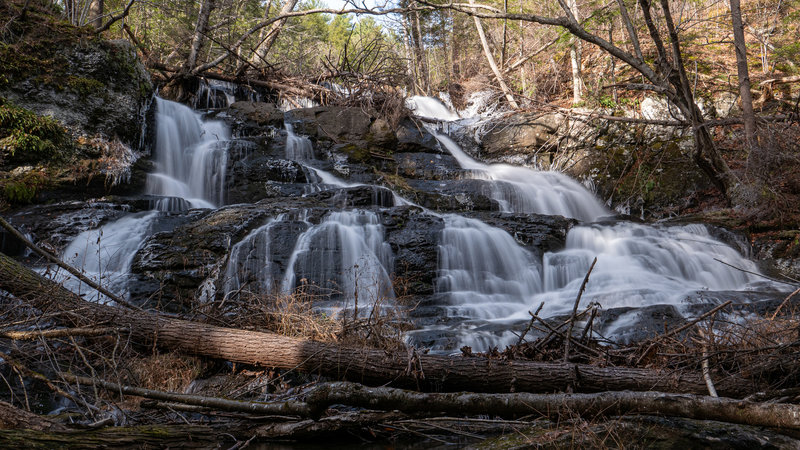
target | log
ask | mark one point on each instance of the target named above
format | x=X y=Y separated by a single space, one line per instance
x=155 y=436
x=12 y=417
x=363 y=365
x=555 y=406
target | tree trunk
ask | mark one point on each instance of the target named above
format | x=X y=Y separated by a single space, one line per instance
x=706 y=153
x=419 y=50
x=560 y=405
x=748 y=116
x=403 y=369
x=490 y=59
x=96 y=13
x=263 y=48
x=199 y=36
x=15 y=418
x=575 y=57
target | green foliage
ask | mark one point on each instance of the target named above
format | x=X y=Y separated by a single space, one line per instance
x=23 y=189
x=28 y=137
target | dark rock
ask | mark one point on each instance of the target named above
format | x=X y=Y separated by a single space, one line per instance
x=101 y=88
x=427 y=166
x=413 y=137
x=55 y=226
x=180 y=260
x=260 y=113
x=339 y=124
x=414 y=238
x=356 y=197
x=536 y=232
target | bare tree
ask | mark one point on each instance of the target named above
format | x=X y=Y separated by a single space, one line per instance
x=575 y=56
x=200 y=31
x=492 y=64
x=96 y=13
x=666 y=75
x=267 y=39
x=748 y=115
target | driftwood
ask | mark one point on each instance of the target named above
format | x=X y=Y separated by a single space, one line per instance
x=369 y=366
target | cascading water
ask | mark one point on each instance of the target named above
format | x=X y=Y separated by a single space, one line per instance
x=518 y=189
x=191 y=159
x=250 y=266
x=480 y=266
x=191 y=156
x=344 y=258
x=486 y=276
x=105 y=254
x=298 y=148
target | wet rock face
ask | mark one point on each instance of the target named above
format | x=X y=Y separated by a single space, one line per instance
x=259 y=113
x=178 y=261
x=97 y=88
x=55 y=226
x=332 y=123
x=536 y=232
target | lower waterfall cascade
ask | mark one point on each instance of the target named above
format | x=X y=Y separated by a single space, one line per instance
x=485 y=280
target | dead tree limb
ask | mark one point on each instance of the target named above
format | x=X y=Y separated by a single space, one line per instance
x=55 y=260
x=442 y=373
x=557 y=405
x=59 y=333
x=221 y=404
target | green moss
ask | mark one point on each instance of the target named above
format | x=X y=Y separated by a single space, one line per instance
x=355 y=153
x=85 y=86
x=23 y=189
x=26 y=137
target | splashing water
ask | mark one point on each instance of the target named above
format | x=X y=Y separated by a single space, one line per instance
x=191 y=156
x=488 y=278
x=344 y=257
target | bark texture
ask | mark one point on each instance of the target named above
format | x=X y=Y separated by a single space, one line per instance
x=368 y=366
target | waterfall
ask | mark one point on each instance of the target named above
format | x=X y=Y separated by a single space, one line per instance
x=250 y=266
x=486 y=276
x=344 y=258
x=518 y=189
x=191 y=160
x=298 y=148
x=191 y=156
x=483 y=271
x=105 y=254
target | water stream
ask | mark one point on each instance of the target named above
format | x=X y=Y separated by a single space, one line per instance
x=191 y=158
x=487 y=281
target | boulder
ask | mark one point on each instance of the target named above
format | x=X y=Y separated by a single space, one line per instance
x=335 y=123
x=258 y=114
x=523 y=133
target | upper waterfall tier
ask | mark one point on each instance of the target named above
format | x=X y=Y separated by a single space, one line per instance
x=191 y=156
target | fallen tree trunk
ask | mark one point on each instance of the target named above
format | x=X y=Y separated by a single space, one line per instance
x=523 y=404
x=12 y=417
x=780 y=415
x=363 y=365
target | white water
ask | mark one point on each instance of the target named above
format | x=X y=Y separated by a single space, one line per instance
x=105 y=254
x=486 y=275
x=298 y=148
x=191 y=156
x=191 y=159
x=431 y=108
x=250 y=266
x=519 y=189
x=345 y=256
